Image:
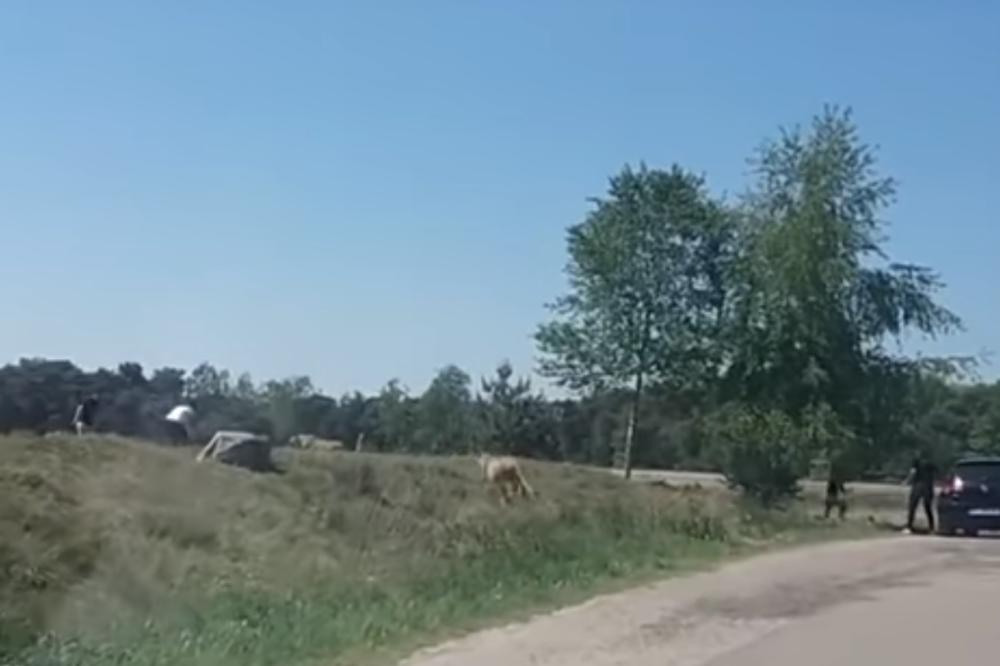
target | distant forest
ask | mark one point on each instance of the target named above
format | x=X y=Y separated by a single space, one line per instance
x=457 y=415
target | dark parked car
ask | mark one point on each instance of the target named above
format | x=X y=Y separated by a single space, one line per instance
x=969 y=502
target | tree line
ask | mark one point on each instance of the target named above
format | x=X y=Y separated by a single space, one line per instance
x=503 y=413
x=751 y=335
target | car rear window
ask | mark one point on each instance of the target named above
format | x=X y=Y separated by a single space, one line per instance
x=979 y=472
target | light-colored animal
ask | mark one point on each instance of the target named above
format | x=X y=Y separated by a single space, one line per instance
x=504 y=472
x=317 y=443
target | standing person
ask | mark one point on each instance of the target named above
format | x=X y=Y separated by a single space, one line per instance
x=921 y=480
x=178 y=423
x=83 y=417
x=836 y=496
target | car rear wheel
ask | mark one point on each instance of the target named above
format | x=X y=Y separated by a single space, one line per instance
x=945 y=530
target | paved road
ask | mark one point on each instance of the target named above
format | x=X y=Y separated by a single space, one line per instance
x=914 y=601
x=949 y=617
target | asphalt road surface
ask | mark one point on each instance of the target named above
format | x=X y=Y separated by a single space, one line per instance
x=912 y=601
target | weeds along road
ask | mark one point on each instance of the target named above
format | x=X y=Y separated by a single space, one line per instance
x=709 y=479
x=899 y=600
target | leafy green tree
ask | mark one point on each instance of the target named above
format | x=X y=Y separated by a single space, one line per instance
x=40 y=394
x=816 y=299
x=579 y=431
x=123 y=408
x=763 y=453
x=647 y=289
x=205 y=381
x=357 y=418
x=445 y=420
x=168 y=383
x=132 y=374
x=502 y=400
x=282 y=399
x=513 y=416
x=245 y=388
x=314 y=413
x=395 y=418
x=984 y=431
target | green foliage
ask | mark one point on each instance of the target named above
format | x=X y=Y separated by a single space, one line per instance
x=504 y=405
x=647 y=291
x=763 y=453
x=206 y=382
x=395 y=418
x=445 y=419
x=516 y=420
x=816 y=300
x=646 y=274
x=786 y=303
x=824 y=433
x=947 y=420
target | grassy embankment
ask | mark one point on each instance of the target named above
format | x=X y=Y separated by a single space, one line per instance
x=119 y=552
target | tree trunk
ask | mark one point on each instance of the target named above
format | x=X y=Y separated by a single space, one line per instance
x=633 y=419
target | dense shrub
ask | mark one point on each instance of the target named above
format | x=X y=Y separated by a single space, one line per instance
x=763 y=453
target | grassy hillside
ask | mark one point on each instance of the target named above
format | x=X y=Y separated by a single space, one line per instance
x=116 y=551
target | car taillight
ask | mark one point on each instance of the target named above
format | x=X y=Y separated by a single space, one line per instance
x=953 y=486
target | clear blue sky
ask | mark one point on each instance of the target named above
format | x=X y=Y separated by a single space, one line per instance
x=359 y=191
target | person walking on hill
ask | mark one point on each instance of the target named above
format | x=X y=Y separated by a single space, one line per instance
x=921 y=480
x=83 y=417
x=179 y=422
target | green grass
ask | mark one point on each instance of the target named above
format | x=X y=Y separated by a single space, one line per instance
x=119 y=552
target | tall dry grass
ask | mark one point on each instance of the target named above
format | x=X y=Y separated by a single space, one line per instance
x=117 y=551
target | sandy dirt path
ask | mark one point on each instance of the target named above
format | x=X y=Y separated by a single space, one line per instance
x=913 y=600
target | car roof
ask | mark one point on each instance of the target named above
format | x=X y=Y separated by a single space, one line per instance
x=979 y=460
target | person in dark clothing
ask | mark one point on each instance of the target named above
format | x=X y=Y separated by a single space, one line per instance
x=86 y=412
x=921 y=480
x=836 y=496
